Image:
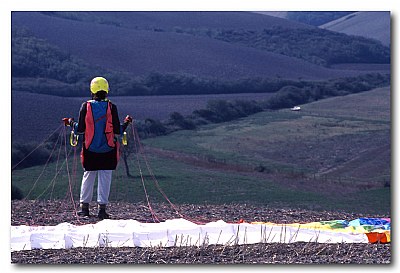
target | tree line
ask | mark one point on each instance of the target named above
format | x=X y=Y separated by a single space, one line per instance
x=39 y=67
x=287 y=96
x=218 y=111
x=319 y=46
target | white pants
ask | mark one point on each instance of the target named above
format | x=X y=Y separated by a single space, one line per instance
x=103 y=186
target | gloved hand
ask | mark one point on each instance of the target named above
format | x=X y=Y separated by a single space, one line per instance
x=67 y=121
x=128 y=119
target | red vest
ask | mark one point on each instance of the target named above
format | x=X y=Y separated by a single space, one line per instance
x=90 y=125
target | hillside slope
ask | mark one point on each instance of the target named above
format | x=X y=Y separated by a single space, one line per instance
x=369 y=24
x=141 y=52
x=192 y=19
x=140 y=107
x=342 y=139
x=279 y=14
x=333 y=154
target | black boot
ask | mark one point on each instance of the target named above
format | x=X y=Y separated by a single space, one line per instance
x=84 y=212
x=102 y=212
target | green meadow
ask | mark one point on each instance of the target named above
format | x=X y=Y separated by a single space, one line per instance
x=334 y=154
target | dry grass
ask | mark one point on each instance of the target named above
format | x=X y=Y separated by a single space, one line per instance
x=275 y=253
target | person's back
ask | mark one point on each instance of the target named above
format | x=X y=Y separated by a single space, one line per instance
x=99 y=115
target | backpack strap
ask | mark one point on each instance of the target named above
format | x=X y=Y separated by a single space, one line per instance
x=109 y=130
x=89 y=122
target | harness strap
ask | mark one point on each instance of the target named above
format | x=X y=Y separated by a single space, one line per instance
x=89 y=121
x=109 y=130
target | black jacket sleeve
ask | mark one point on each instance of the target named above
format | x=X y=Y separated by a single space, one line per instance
x=115 y=119
x=81 y=119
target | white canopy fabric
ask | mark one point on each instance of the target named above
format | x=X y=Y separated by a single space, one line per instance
x=171 y=233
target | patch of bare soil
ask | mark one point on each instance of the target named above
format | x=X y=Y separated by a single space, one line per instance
x=276 y=253
x=55 y=212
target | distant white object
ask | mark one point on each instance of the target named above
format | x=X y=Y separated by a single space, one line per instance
x=296 y=108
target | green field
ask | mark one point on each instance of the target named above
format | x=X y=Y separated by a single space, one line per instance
x=334 y=154
x=324 y=136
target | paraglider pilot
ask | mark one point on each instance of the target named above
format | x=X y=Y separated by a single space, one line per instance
x=99 y=123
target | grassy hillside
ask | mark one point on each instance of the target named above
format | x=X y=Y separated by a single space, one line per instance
x=373 y=24
x=24 y=104
x=316 y=46
x=140 y=51
x=333 y=154
x=196 y=109
x=316 y=18
x=279 y=14
x=323 y=135
x=342 y=152
x=313 y=18
x=170 y=20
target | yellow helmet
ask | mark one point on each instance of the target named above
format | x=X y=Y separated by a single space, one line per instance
x=99 y=84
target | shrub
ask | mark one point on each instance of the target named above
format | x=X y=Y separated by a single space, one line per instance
x=206 y=115
x=288 y=96
x=247 y=107
x=181 y=122
x=16 y=193
x=224 y=110
x=155 y=127
x=20 y=152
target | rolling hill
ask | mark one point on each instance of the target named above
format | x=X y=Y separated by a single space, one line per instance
x=47 y=119
x=338 y=148
x=139 y=43
x=193 y=19
x=124 y=43
x=333 y=154
x=321 y=137
x=370 y=24
x=312 y=18
x=279 y=14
